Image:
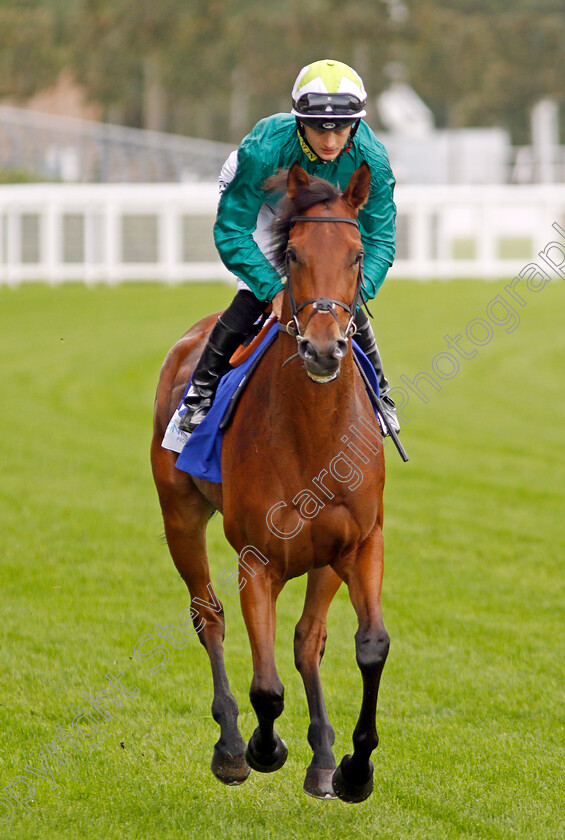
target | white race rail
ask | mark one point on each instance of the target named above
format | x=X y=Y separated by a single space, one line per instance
x=118 y=232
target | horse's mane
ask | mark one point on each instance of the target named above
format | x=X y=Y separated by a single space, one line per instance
x=316 y=192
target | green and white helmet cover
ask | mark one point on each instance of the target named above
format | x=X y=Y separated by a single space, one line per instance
x=328 y=77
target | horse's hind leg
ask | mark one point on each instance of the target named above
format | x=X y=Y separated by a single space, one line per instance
x=353 y=779
x=266 y=752
x=309 y=644
x=185 y=515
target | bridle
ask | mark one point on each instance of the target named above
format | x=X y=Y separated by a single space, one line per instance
x=325 y=304
x=321 y=304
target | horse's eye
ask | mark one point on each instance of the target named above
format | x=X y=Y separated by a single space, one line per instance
x=359 y=257
x=291 y=254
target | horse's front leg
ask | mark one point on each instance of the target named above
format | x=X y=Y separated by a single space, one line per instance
x=309 y=645
x=353 y=779
x=266 y=752
x=185 y=514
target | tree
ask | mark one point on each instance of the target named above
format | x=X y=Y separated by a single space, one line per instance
x=31 y=54
x=212 y=68
x=475 y=67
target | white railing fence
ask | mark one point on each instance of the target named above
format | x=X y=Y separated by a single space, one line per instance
x=164 y=232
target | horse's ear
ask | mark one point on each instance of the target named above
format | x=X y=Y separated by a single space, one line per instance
x=357 y=191
x=296 y=179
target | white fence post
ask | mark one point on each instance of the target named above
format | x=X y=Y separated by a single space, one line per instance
x=13 y=245
x=110 y=242
x=52 y=239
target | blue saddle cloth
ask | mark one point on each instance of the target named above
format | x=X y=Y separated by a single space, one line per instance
x=202 y=454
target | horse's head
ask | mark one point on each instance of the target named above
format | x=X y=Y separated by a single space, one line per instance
x=320 y=244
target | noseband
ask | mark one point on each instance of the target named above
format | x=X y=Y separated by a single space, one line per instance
x=321 y=304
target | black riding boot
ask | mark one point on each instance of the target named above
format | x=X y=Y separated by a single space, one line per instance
x=227 y=334
x=365 y=338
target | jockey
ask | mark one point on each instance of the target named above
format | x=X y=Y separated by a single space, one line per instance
x=326 y=134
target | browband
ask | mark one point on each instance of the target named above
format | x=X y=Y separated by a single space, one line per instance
x=349 y=221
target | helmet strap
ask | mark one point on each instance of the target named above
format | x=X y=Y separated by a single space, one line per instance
x=352 y=134
x=306 y=147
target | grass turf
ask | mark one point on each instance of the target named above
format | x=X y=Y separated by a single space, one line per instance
x=470 y=714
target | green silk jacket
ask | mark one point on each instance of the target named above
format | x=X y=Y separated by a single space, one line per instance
x=275 y=144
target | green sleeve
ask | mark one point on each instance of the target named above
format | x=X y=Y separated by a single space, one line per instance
x=237 y=219
x=378 y=229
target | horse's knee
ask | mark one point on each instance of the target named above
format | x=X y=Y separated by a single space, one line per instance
x=309 y=645
x=371 y=649
x=268 y=700
x=211 y=627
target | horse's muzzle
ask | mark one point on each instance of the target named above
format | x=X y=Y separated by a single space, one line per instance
x=322 y=363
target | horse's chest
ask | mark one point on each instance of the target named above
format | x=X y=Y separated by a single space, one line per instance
x=333 y=533
x=301 y=526
x=303 y=500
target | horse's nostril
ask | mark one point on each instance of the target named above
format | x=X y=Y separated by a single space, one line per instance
x=306 y=351
x=340 y=348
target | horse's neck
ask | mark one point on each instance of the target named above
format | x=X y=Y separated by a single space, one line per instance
x=306 y=410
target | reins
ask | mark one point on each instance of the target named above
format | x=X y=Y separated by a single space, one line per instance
x=321 y=304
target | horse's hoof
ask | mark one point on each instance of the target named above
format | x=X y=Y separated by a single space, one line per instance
x=267 y=763
x=349 y=791
x=230 y=769
x=318 y=783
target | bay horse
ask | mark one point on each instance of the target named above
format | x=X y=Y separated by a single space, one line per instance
x=293 y=418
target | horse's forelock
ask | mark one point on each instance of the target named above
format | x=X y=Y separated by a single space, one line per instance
x=316 y=192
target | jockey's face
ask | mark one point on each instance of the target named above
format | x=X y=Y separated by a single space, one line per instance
x=326 y=144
